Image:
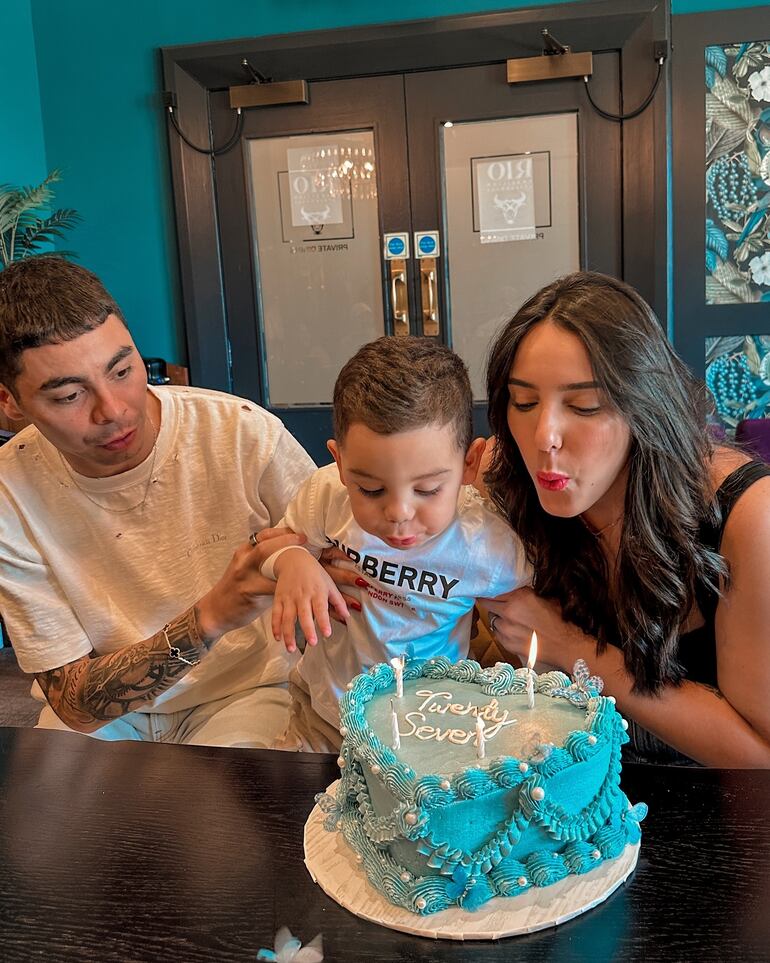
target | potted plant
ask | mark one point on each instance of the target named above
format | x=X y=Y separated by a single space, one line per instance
x=26 y=225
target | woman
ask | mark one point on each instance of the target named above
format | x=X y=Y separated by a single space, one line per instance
x=651 y=549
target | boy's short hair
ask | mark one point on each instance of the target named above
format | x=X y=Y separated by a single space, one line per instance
x=47 y=300
x=398 y=384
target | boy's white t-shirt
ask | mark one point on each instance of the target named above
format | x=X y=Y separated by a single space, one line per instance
x=74 y=577
x=422 y=596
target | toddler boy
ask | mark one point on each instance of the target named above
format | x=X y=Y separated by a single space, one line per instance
x=398 y=502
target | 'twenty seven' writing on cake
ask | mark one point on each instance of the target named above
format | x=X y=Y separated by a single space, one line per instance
x=468 y=787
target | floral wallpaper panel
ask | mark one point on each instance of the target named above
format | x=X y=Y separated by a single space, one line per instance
x=738 y=376
x=738 y=173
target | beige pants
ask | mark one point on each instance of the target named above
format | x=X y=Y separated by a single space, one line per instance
x=306 y=731
x=254 y=719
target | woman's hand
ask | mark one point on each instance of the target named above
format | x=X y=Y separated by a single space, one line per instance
x=512 y=617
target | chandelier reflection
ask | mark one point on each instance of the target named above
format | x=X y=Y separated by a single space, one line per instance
x=341 y=171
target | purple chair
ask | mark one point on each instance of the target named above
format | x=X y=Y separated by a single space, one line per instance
x=754 y=435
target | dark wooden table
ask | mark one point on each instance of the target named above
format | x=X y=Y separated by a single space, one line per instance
x=131 y=852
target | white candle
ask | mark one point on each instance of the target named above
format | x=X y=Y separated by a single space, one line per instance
x=397 y=664
x=394 y=726
x=530 y=671
x=480 y=742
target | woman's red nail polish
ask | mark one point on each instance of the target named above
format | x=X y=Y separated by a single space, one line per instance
x=356 y=606
x=362 y=583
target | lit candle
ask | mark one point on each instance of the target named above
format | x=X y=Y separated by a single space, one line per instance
x=397 y=664
x=480 y=743
x=394 y=726
x=530 y=671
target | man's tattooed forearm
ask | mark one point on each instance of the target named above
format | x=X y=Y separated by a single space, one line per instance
x=107 y=687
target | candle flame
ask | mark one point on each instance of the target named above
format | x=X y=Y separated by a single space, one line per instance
x=532 y=650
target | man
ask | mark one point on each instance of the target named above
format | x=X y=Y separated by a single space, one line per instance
x=127 y=584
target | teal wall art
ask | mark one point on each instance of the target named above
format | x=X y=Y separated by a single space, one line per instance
x=738 y=377
x=738 y=173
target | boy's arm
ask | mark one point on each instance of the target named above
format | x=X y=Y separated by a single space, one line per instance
x=304 y=592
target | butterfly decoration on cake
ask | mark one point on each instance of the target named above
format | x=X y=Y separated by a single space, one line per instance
x=632 y=817
x=584 y=685
x=288 y=949
x=328 y=804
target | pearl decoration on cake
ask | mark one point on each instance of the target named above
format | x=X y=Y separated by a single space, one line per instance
x=445 y=785
x=523 y=766
x=624 y=723
x=339 y=824
x=375 y=770
x=350 y=685
x=421 y=903
x=343 y=731
x=538 y=793
x=359 y=858
x=405 y=877
x=592 y=740
x=611 y=699
x=522 y=880
x=596 y=854
x=410 y=819
x=340 y=762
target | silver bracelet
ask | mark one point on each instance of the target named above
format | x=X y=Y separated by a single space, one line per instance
x=186 y=626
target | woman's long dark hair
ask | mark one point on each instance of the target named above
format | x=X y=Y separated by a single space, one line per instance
x=669 y=496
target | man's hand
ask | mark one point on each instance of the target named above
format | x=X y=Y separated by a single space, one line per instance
x=234 y=600
x=303 y=592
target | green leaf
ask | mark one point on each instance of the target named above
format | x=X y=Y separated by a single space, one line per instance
x=727 y=285
x=752 y=355
x=721 y=140
x=729 y=105
x=25 y=224
x=753 y=156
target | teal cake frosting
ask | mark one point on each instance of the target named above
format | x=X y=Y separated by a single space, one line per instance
x=439 y=822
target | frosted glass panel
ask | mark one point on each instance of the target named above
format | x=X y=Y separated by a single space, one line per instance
x=488 y=170
x=315 y=222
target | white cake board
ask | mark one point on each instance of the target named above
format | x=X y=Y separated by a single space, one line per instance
x=332 y=864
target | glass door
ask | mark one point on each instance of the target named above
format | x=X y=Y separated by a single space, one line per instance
x=523 y=185
x=433 y=203
x=305 y=208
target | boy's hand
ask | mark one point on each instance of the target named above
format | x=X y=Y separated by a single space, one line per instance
x=238 y=597
x=344 y=574
x=304 y=591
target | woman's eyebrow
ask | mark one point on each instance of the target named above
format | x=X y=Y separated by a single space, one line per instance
x=572 y=386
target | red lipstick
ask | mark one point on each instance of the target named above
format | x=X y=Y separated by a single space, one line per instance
x=552 y=481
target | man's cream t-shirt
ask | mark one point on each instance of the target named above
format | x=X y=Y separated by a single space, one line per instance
x=74 y=577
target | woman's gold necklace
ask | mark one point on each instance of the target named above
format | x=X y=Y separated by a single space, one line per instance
x=118 y=511
x=601 y=530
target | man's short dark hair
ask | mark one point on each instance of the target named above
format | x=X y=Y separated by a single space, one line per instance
x=402 y=383
x=47 y=300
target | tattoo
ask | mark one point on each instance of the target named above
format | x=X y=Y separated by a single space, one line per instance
x=92 y=691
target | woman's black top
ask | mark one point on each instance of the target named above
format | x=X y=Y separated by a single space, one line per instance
x=697 y=648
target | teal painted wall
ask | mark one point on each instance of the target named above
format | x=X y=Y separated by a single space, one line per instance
x=22 y=152
x=99 y=85
x=700 y=6
x=99 y=80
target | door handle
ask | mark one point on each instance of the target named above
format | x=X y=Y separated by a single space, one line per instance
x=399 y=296
x=429 y=292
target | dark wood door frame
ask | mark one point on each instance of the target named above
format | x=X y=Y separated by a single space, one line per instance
x=195 y=72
